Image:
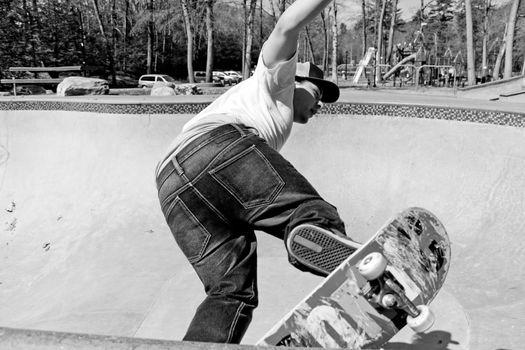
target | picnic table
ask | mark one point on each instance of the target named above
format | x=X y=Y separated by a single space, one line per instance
x=53 y=72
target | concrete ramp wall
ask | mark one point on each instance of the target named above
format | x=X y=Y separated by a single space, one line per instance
x=24 y=339
x=504 y=88
x=84 y=247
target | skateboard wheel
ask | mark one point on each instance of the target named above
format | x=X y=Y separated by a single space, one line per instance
x=423 y=321
x=372 y=266
x=389 y=300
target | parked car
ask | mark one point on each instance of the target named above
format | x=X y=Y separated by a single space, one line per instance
x=200 y=77
x=236 y=76
x=148 y=80
x=224 y=77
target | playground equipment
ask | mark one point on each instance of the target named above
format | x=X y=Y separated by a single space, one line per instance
x=363 y=63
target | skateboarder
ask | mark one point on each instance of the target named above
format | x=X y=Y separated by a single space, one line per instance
x=223 y=178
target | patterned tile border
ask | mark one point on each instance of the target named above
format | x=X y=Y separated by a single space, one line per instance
x=473 y=115
x=108 y=108
x=379 y=109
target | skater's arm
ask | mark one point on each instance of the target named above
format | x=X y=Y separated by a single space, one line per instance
x=282 y=43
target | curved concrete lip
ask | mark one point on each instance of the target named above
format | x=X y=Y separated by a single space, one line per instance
x=84 y=247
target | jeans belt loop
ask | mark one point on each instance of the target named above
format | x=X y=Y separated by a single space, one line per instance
x=240 y=129
x=177 y=166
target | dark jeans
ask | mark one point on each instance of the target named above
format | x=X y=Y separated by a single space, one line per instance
x=214 y=194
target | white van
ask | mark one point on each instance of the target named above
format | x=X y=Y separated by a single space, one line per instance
x=147 y=80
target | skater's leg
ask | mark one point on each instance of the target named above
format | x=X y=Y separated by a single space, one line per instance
x=292 y=203
x=222 y=252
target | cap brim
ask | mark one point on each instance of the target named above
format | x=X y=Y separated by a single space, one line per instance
x=330 y=90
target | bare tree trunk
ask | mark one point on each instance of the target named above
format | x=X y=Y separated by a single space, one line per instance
x=244 y=34
x=310 y=46
x=151 y=38
x=36 y=29
x=82 y=36
x=114 y=39
x=365 y=44
x=260 y=23
x=274 y=15
x=105 y=38
x=380 y=40
x=421 y=13
x=513 y=17
x=149 y=53
x=390 y=44
x=501 y=53
x=249 y=23
x=126 y=30
x=29 y=34
x=55 y=34
x=325 y=42
x=471 y=69
x=189 y=38
x=209 y=31
x=334 y=41
x=282 y=7
x=484 y=65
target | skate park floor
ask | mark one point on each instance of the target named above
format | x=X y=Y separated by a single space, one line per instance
x=84 y=247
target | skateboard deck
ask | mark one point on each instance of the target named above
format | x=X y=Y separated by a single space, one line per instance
x=349 y=310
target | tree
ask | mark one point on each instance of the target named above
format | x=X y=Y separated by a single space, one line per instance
x=209 y=27
x=471 y=70
x=189 y=40
x=249 y=15
x=105 y=38
x=365 y=24
x=393 y=22
x=308 y=39
x=325 y=44
x=484 y=64
x=379 y=45
x=497 y=66
x=150 y=36
x=513 y=17
x=135 y=36
x=334 y=40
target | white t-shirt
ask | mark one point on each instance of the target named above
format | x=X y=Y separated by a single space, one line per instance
x=263 y=102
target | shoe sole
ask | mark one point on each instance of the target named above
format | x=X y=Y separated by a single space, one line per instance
x=319 y=249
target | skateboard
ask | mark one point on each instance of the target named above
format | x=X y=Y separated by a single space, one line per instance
x=386 y=284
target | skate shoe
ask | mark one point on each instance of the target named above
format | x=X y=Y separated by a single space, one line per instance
x=318 y=249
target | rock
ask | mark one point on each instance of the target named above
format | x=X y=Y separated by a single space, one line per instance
x=74 y=86
x=187 y=89
x=162 y=89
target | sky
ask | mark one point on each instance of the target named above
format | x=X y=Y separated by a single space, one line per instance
x=409 y=7
x=352 y=9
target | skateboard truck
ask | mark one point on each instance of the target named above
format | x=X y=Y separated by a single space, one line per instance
x=383 y=289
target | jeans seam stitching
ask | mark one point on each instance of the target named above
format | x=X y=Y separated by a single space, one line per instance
x=208 y=235
x=165 y=177
x=189 y=212
x=210 y=205
x=254 y=203
x=203 y=144
x=206 y=169
x=235 y=321
x=176 y=193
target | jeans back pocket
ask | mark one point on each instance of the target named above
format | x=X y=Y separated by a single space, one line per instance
x=250 y=178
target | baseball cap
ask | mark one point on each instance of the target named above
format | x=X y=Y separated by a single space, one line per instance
x=311 y=72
